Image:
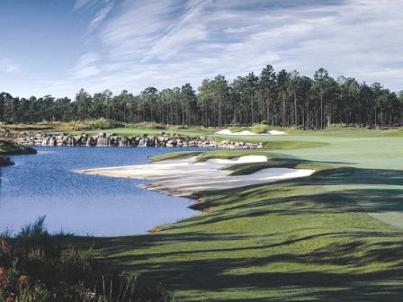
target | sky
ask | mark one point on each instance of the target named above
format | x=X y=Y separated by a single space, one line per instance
x=59 y=46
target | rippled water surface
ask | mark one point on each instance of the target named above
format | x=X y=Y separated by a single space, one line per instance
x=46 y=184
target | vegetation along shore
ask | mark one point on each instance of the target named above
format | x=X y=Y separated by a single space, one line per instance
x=8 y=148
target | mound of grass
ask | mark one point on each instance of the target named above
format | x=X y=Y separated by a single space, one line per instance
x=277 y=162
x=174 y=155
x=261 y=128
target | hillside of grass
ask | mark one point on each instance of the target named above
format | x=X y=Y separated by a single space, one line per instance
x=320 y=238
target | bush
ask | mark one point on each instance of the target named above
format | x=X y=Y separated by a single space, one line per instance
x=148 y=125
x=259 y=128
x=8 y=147
x=95 y=124
x=36 y=267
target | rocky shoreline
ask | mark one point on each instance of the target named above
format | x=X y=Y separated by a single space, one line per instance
x=114 y=140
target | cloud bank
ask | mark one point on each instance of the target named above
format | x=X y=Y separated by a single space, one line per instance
x=167 y=43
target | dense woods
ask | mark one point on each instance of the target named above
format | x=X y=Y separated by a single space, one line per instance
x=277 y=98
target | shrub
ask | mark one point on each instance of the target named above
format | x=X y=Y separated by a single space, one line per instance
x=36 y=267
x=259 y=128
x=148 y=125
x=95 y=124
x=8 y=147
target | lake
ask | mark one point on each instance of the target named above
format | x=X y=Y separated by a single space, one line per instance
x=46 y=184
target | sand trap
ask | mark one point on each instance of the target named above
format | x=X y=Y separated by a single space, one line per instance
x=247 y=132
x=185 y=177
x=276 y=132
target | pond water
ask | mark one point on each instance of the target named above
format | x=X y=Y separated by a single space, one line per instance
x=46 y=184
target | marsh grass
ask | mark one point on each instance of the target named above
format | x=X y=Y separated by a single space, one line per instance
x=36 y=266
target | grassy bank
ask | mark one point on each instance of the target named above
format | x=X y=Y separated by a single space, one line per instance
x=321 y=238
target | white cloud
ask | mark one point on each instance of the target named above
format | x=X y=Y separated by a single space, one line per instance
x=86 y=67
x=99 y=17
x=9 y=67
x=170 y=42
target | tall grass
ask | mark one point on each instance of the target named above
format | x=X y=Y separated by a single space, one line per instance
x=36 y=266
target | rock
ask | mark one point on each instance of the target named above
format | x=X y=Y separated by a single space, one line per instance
x=142 y=142
x=112 y=139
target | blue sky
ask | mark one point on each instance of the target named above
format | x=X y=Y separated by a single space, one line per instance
x=59 y=46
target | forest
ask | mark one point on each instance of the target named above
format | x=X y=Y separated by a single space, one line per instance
x=275 y=98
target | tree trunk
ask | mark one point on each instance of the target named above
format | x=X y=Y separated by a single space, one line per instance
x=295 y=110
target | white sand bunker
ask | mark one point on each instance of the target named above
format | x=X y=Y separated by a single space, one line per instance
x=186 y=176
x=247 y=132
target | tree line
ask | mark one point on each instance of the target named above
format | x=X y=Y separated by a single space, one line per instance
x=276 y=98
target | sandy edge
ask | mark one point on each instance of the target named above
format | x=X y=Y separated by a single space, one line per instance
x=187 y=177
x=250 y=133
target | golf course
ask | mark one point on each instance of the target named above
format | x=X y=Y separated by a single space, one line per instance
x=201 y=151
x=333 y=236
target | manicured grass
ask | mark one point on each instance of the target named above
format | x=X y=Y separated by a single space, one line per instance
x=334 y=236
x=308 y=239
x=174 y=155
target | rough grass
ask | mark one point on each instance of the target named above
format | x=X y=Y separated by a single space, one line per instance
x=307 y=239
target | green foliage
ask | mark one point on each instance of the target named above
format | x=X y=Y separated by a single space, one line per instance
x=273 y=98
x=39 y=267
x=7 y=147
x=148 y=125
x=95 y=124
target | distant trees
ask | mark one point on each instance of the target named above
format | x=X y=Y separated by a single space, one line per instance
x=277 y=98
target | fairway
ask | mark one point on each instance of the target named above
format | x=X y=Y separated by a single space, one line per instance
x=320 y=238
